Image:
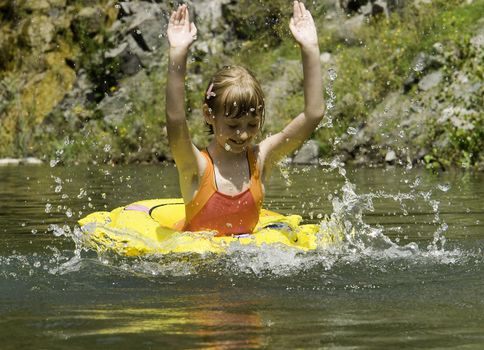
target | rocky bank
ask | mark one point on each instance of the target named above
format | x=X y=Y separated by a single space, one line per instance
x=83 y=81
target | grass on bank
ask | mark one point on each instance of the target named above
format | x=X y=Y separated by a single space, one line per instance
x=378 y=61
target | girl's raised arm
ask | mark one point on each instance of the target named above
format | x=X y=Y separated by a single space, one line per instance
x=300 y=128
x=181 y=34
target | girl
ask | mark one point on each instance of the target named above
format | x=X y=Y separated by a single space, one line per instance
x=223 y=185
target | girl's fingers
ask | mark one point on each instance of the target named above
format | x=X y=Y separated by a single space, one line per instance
x=292 y=24
x=186 y=17
x=296 y=9
x=303 y=9
x=179 y=13
x=310 y=16
x=193 y=30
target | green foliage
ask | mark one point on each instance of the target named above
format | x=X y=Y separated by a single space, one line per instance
x=141 y=136
x=263 y=21
x=102 y=71
x=376 y=61
x=382 y=60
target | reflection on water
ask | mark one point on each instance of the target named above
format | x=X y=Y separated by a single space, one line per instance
x=412 y=273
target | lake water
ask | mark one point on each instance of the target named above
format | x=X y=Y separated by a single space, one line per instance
x=412 y=277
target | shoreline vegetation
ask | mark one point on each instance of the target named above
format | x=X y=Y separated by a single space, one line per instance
x=83 y=82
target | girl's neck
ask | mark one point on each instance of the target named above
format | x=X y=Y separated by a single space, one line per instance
x=221 y=155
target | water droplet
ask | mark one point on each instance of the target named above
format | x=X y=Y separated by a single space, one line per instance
x=443 y=187
x=419 y=67
x=352 y=131
x=82 y=193
x=332 y=74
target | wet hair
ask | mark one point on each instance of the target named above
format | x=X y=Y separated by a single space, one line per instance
x=233 y=92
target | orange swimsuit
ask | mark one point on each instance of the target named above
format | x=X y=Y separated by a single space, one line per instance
x=226 y=214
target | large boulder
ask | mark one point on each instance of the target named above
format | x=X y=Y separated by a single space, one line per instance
x=88 y=22
x=307 y=154
x=38 y=32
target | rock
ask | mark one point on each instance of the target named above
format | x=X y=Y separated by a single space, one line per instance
x=366 y=9
x=370 y=7
x=478 y=41
x=307 y=154
x=115 y=107
x=212 y=46
x=325 y=57
x=47 y=89
x=287 y=75
x=420 y=62
x=430 y=80
x=117 y=51
x=420 y=2
x=209 y=14
x=351 y=6
x=143 y=58
x=390 y=157
x=38 y=33
x=148 y=25
x=58 y=3
x=130 y=63
x=346 y=29
x=9 y=161
x=394 y=5
x=89 y=21
x=380 y=7
x=418 y=65
x=349 y=29
x=125 y=8
x=438 y=48
x=361 y=160
x=30 y=161
x=36 y=5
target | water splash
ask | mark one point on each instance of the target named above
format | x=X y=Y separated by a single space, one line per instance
x=363 y=243
x=330 y=100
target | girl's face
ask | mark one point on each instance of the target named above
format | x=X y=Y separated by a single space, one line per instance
x=235 y=134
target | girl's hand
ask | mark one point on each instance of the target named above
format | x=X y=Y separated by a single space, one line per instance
x=181 y=32
x=302 y=26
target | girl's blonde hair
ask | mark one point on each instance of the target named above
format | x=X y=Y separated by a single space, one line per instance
x=233 y=92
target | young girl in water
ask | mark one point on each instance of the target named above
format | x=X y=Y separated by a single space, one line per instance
x=223 y=185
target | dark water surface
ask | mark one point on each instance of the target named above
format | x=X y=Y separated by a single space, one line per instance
x=412 y=277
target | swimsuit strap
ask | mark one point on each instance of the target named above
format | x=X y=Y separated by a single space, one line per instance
x=253 y=168
x=255 y=180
